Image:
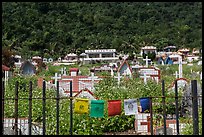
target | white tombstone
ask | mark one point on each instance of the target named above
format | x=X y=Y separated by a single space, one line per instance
x=118 y=77
x=56 y=78
x=50 y=60
x=146 y=60
x=180 y=67
x=92 y=80
x=145 y=77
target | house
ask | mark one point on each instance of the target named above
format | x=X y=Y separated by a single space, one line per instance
x=100 y=55
x=184 y=52
x=125 y=69
x=27 y=68
x=36 y=60
x=148 y=49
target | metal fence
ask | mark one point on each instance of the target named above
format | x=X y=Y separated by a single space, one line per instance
x=16 y=130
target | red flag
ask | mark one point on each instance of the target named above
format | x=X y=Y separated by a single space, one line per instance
x=114 y=107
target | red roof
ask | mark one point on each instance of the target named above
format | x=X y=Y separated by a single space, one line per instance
x=73 y=69
x=5 y=68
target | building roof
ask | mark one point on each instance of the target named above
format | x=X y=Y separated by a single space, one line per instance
x=101 y=51
x=74 y=69
x=184 y=50
x=149 y=48
x=5 y=68
x=71 y=55
x=170 y=47
x=36 y=57
x=125 y=62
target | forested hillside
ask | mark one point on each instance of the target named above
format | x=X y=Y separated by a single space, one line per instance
x=57 y=28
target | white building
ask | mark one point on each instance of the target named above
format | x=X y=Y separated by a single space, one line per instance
x=101 y=55
x=71 y=58
x=148 y=49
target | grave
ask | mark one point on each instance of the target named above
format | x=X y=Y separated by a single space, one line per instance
x=160 y=131
x=142 y=122
x=181 y=82
x=125 y=69
x=22 y=127
x=180 y=68
x=186 y=103
x=56 y=77
x=85 y=93
x=118 y=78
x=146 y=60
x=145 y=77
x=153 y=72
x=27 y=68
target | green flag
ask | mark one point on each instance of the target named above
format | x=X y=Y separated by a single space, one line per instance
x=97 y=108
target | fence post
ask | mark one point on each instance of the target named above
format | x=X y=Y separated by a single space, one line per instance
x=16 y=109
x=30 y=109
x=151 y=116
x=177 y=111
x=44 y=109
x=57 y=107
x=195 y=107
x=71 y=113
x=164 y=106
x=3 y=90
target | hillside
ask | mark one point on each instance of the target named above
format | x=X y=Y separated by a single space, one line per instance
x=57 y=28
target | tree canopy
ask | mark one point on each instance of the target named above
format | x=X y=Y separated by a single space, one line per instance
x=57 y=28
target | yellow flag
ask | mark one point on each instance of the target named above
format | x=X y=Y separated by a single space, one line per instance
x=81 y=106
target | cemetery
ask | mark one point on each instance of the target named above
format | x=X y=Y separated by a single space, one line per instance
x=112 y=88
x=101 y=68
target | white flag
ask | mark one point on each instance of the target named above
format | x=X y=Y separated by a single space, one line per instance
x=130 y=106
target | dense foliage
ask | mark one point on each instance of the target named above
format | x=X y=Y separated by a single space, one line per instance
x=57 y=28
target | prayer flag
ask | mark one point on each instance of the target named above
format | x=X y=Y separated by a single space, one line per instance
x=81 y=106
x=130 y=106
x=97 y=108
x=114 y=107
x=145 y=104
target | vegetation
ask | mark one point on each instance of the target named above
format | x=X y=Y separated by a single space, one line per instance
x=53 y=29
x=105 y=90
